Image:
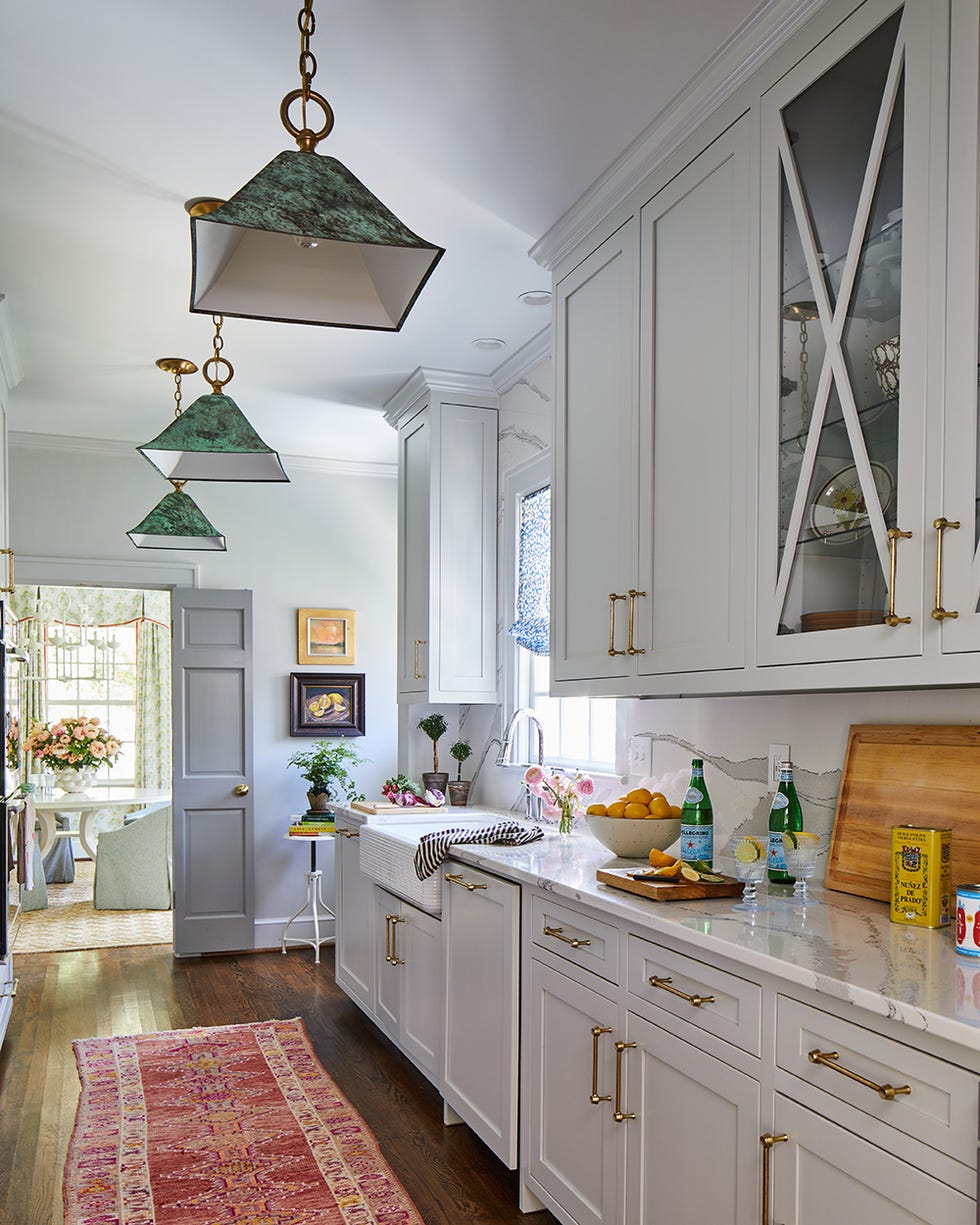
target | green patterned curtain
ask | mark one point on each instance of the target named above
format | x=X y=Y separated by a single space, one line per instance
x=153 y=764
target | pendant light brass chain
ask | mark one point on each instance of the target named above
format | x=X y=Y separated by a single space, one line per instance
x=178 y=410
x=307 y=60
x=216 y=360
x=219 y=343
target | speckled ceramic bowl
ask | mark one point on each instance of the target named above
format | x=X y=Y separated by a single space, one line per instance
x=634 y=837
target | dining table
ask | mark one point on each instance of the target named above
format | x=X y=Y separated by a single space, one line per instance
x=85 y=805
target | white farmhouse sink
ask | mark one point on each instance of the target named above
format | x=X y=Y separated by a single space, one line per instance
x=388 y=844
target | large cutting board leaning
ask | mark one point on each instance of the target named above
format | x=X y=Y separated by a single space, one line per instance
x=899 y=774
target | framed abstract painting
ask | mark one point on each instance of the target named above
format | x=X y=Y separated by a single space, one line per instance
x=325 y=636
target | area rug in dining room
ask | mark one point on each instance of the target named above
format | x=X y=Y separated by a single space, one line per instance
x=232 y=1124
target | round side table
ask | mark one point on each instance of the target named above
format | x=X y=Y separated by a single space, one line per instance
x=313 y=896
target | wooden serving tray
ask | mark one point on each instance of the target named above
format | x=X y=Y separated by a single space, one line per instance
x=898 y=774
x=667 y=890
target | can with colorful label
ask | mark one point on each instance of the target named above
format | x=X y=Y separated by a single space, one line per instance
x=968 y=920
x=921 y=879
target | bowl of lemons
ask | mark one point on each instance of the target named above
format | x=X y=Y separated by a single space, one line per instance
x=635 y=824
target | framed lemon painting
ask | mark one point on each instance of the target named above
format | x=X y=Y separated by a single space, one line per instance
x=326 y=704
x=325 y=636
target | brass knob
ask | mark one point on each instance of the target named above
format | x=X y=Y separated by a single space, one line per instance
x=241 y=789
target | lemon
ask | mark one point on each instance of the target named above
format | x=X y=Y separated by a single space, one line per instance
x=596 y=810
x=749 y=849
x=659 y=807
x=616 y=809
x=670 y=872
x=635 y=810
x=639 y=796
x=660 y=859
x=689 y=873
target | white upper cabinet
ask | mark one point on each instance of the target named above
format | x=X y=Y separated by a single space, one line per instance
x=447 y=554
x=651 y=439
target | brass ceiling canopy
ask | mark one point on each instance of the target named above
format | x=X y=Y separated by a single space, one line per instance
x=305 y=241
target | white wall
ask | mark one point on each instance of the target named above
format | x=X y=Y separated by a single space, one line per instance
x=322 y=541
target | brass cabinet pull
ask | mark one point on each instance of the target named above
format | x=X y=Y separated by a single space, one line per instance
x=767 y=1141
x=939 y=613
x=894 y=536
x=828 y=1059
x=9 y=589
x=349 y=833
x=594 y=1096
x=460 y=880
x=613 y=597
x=618 y=1115
x=388 y=937
x=419 y=642
x=630 y=648
x=694 y=1000
x=557 y=933
x=9 y=991
x=393 y=956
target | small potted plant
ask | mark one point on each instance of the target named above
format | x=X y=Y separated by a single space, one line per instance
x=434 y=726
x=325 y=768
x=459 y=789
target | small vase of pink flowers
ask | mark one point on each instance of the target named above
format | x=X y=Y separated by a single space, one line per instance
x=563 y=794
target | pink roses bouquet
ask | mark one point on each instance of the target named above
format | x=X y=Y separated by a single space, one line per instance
x=563 y=796
x=72 y=743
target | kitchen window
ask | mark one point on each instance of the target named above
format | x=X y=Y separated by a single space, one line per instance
x=578 y=732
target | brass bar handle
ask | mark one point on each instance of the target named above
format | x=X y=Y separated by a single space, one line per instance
x=630 y=648
x=694 y=1000
x=939 y=613
x=388 y=937
x=349 y=833
x=594 y=1096
x=828 y=1059
x=460 y=880
x=419 y=642
x=395 y=959
x=613 y=597
x=557 y=933
x=767 y=1141
x=9 y=589
x=894 y=536
x=618 y=1114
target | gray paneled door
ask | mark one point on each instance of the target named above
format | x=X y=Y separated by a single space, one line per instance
x=214 y=892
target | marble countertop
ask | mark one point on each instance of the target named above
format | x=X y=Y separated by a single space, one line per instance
x=845 y=947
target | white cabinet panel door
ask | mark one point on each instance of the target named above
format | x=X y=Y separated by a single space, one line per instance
x=595 y=457
x=355 y=964
x=413 y=555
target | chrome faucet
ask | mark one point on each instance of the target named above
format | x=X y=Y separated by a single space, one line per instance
x=532 y=802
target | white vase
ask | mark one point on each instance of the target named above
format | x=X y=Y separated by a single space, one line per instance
x=72 y=781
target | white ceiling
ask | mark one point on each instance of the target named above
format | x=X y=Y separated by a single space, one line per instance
x=478 y=124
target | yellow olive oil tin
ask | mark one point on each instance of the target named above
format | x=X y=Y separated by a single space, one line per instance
x=921 y=877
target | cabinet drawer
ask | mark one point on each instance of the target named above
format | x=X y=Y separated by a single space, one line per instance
x=576 y=937
x=941 y=1108
x=729 y=1007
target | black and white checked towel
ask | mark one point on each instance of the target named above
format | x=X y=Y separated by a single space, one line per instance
x=433 y=848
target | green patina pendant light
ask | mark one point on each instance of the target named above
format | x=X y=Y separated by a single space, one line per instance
x=212 y=440
x=177 y=522
x=305 y=241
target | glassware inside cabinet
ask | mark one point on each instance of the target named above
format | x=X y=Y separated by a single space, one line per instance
x=841 y=156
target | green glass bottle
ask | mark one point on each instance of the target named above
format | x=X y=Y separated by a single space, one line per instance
x=784 y=813
x=697 y=819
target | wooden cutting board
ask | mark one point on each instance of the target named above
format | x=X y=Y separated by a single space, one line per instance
x=897 y=774
x=667 y=890
x=373 y=806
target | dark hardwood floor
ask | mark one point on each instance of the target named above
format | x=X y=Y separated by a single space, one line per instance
x=449 y=1173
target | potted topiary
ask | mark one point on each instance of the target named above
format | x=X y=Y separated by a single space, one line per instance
x=434 y=726
x=325 y=768
x=459 y=789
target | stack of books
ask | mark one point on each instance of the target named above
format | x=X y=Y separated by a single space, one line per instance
x=313 y=824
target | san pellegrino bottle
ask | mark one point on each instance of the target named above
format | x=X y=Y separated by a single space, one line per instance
x=785 y=813
x=697 y=819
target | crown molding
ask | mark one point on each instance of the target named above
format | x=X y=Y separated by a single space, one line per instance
x=11 y=371
x=27 y=441
x=754 y=42
x=445 y=382
x=532 y=354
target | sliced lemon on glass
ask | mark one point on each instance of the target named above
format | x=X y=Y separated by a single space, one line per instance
x=749 y=850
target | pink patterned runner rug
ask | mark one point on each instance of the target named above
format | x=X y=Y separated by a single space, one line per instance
x=234 y=1125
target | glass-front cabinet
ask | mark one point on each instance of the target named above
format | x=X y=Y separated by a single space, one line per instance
x=844 y=345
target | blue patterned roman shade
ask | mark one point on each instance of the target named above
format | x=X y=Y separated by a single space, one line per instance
x=531 y=629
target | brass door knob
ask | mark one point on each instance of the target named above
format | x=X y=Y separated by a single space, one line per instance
x=241 y=789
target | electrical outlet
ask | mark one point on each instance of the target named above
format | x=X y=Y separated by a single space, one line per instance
x=778 y=753
x=641 y=756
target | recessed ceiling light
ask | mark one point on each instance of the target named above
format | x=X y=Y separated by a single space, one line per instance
x=535 y=297
x=488 y=342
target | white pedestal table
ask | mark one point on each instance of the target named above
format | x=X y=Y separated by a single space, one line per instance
x=86 y=804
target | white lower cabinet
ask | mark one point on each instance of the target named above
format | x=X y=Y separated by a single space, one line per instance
x=354 y=953
x=823 y=1173
x=409 y=980
x=481 y=921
